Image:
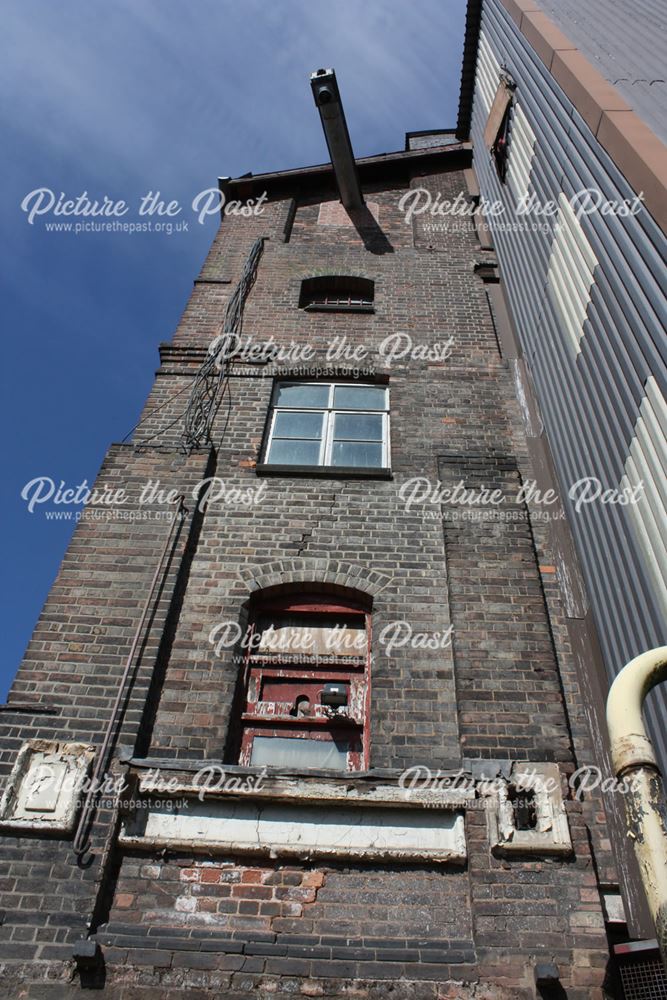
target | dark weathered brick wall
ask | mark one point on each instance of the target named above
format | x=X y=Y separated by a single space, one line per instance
x=509 y=693
x=68 y=680
x=504 y=690
x=278 y=914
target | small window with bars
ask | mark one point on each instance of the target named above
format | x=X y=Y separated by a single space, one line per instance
x=343 y=425
x=337 y=294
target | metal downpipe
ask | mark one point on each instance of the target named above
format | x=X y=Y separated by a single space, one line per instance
x=635 y=764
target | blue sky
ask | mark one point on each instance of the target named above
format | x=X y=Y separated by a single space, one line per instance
x=123 y=97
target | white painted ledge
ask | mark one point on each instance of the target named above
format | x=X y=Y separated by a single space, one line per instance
x=305 y=830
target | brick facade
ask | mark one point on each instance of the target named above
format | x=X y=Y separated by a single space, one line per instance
x=201 y=924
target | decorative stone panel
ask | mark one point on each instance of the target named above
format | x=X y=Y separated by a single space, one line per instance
x=550 y=833
x=42 y=792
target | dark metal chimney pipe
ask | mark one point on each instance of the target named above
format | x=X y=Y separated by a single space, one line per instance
x=327 y=99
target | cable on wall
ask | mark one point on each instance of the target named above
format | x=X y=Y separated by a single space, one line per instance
x=211 y=379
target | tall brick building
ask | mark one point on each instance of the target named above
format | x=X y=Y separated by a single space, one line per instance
x=316 y=618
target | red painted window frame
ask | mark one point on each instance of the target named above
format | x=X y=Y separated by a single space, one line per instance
x=251 y=723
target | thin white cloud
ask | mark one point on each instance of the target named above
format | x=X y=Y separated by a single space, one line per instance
x=161 y=88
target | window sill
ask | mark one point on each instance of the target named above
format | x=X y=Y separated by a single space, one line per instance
x=279 y=817
x=323 y=471
x=322 y=307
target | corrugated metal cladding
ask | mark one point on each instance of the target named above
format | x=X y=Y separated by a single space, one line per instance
x=523 y=150
x=643 y=466
x=591 y=316
x=570 y=274
x=626 y=40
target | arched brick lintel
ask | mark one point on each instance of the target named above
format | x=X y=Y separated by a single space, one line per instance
x=326 y=576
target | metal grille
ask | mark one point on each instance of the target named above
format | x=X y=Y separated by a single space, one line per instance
x=644 y=979
x=338 y=301
x=337 y=291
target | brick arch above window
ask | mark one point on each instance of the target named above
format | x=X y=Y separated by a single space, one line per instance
x=311 y=595
x=337 y=293
x=333 y=576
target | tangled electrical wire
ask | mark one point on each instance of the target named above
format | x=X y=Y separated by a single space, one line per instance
x=211 y=380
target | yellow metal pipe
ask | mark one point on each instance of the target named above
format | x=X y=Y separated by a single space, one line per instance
x=635 y=763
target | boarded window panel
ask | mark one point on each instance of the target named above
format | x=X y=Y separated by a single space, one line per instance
x=280 y=752
x=294 y=635
x=290 y=690
x=501 y=103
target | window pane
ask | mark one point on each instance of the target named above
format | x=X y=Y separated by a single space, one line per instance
x=298 y=425
x=360 y=397
x=306 y=396
x=280 y=751
x=362 y=455
x=294 y=452
x=358 y=427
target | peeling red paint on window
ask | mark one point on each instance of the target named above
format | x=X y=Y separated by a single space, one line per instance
x=307 y=643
